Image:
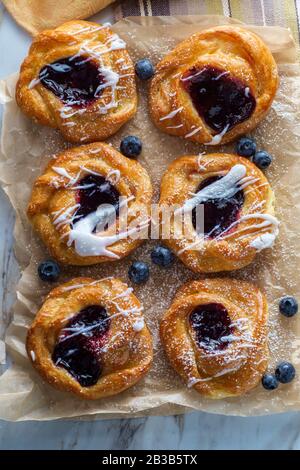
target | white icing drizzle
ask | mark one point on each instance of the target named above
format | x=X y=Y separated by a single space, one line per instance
x=137 y=320
x=202 y=166
x=175 y=127
x=192 y=75
x=268 y=221
x=220 y=75
x=83 y=186
x=91 y=28
x=69 y=124
x=84 y=329
x=65 y=216
x=67 y=112
x=193 y=132
x=87 y=243
x=115 y=43
x=266 y=240
x=193 y=380
x=257 y=187
x=114 y=176
x=88 y=170
x=111 y=78
x=126 y=312
x=198 y=241
x=247 y=91
x=172 y=114
x=139 y=324
x=73 y=180
x=63 y=172
x=126 y=293
x=97 y=150
x=126 y=67
x=224 y=188
x=32 y=354
x=217 y=139
x=79 y=286
x=33 y=83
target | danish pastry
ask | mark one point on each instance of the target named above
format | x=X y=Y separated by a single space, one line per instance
x=90 y=338
x=215 y=336
x=91 y=205
x=221 y=211
x=79 y=79
x=214 y=86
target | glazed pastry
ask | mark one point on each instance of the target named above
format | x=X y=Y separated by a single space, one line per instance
x=79 y=79
x=91 y=205
x=214 y=86
x=90 y=338
x=226 y=205
x=215 y=336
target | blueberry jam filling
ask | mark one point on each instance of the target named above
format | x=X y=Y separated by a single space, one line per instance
x=219 y=214
x=220 y=99
x=95 y=191
x=78 y=349
x=74 y=80
x=212 y=326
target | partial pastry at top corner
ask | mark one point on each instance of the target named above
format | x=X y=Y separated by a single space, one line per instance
x=78 y=78
x=214 y=86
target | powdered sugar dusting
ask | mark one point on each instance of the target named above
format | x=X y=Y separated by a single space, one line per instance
x=276 y=271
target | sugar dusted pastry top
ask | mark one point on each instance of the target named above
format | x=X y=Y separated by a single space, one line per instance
x=90 y=338
x=238 y=211
x=78 y=78
x=215 y=336
x=214 y=86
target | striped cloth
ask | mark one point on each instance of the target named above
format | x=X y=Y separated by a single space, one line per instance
x=260 y=12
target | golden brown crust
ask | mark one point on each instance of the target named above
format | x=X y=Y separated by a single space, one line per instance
x=44 y=107
x=232 y=371
x=230 y=250
x=53 y=195
x=127 y=355
x=234 y=49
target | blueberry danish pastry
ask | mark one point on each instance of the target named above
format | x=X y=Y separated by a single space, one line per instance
x=222 y=211
x=214 y=86
x=90 y=338
x=91 y=205
x=79 y=79
x=215 y=336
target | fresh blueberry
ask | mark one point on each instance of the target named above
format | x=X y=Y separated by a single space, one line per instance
x=288 y=306
x=162 y=256
x=262 y=159
x=246 y=147
x=139 y=272
x=269 y=382
x=144 y=69
x=285 y=372
x=49 y=270
x=131 y=146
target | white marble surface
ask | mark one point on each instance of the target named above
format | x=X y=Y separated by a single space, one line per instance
x=193 y=431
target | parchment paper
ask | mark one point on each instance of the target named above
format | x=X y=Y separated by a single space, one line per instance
x=27 y=147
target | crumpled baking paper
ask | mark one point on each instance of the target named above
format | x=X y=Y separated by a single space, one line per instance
x=25 y=151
